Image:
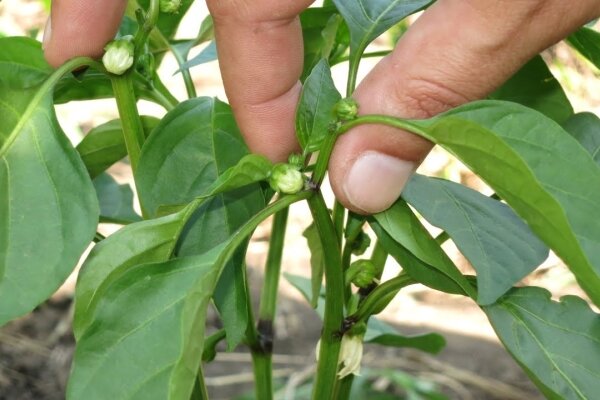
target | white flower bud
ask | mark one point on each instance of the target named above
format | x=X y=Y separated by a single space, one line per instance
x=286 y=179
x=350 y=355
x=170 y=6
x=118 y=57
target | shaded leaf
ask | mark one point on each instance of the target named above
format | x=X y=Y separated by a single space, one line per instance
x=315 y=109
x=208 y=54
x=587 y=42
x=48 y=207
x=406 y=239
x=556 y=343
x=367 y=19
x=534 y=86
x=499 y=245
x=538 y=169
x=320 y=27
x=116 y=201
x=104 y=145
x=379 y=332
x=585 y=127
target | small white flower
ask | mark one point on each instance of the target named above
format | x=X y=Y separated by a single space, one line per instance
x=350 y=355
x=118 y=57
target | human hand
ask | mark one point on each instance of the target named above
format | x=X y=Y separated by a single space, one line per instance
x=457 y=51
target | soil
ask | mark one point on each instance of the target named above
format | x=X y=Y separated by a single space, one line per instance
x=36 y=351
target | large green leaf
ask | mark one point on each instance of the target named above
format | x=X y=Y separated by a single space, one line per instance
x=146 y=339
x=407 y=240
x=367 y=19
x=139 y=243
x=104 y=145
x=585 y=127
x=116 y=201
x=538 y=168
x=192 y=146
x=499 y=245
x=557 y=343
x=22 y=63
x=315 y=109
x=534 y=86
x=48 y=207
x=587 y=42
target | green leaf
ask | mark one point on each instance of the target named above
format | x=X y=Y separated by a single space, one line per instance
x=587 y=42
x=538 y=169
x=367 y=19
x=22 y=63
x=499 y=245
x=585 y=128
x=141 y=242
x=104 y=145
x=316 y=262
x=379 y=332
x=407 y=240
x=116 y=201
x=48 y=207
x=315 y=109
x=535 y=87
x=208 y=54
x=556 y=343
x=146 y=340
x=320 y=27
x=192 y=146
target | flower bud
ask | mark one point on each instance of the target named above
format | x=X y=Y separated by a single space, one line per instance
x=170 y=6
x=361 y=244
x=351 y=353
x=296 y=161
x=361 y=273
x=285 y=178
x=346 y=109
x=118 y=57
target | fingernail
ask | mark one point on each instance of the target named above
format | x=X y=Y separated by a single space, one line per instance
x=375 y=181
x=47 y=33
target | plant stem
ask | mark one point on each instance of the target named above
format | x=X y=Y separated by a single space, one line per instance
x=339 y=215
x=381 y=53
x=199 y=392
x=382 y=293
x=344 y=387
x=133 y=131
x=383 y=120
x=323 y=159
x=326 y=375
x=162 y=95
x=262 y=350
x=268 y=298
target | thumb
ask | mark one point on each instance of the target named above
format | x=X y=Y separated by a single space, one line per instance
x=80 y=28
x=457 y=51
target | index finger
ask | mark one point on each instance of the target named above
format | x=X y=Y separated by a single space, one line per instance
x=261 y=56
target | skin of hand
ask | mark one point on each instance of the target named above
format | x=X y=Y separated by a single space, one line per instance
x=457 y=51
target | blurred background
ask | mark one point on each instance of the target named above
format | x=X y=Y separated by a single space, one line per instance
x=36 y=350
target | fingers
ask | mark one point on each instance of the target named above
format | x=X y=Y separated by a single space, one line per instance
x=457 y=51
x=261 y=55
x=81 y=28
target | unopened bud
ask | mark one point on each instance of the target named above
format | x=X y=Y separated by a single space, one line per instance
x=346 y=109
x=170 y=6
x=361 y=273
x=118 y=57
x=361 y=244
x=285 y=178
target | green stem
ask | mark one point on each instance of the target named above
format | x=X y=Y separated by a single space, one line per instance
x=200 y=392
x=353 y=73
x=379 y=257
x=339 y=215
x=381 y=294
x=162 y=94
x=268 y=298
x=325 y=377
x=186 y=75
x=323 y=159
x=442 y=237
x=381 y=53
x=344 y=387
x=133 y=131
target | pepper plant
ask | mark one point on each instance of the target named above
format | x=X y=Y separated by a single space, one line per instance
x=142 y=294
